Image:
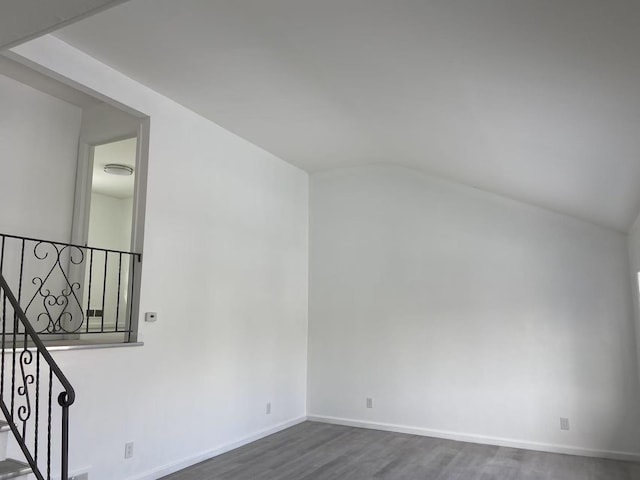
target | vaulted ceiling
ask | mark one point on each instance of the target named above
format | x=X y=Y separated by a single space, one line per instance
x=537 y=100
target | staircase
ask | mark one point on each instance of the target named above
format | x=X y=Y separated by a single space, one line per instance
x=30 y=379
x=54 y=293
x=10 y=468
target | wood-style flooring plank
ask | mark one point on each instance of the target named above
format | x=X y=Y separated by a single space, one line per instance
x=317 y=451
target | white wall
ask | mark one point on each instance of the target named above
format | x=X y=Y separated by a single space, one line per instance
x=225 y=267
x=39 y=149
x=466 y=314
x=110 y=222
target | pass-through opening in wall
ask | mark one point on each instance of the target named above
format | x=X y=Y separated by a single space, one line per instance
x=75 y=251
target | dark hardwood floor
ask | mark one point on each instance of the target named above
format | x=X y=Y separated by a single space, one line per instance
x=314 y=451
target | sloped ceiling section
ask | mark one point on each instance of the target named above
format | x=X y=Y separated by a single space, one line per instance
x=537 y=100
x=22 y=20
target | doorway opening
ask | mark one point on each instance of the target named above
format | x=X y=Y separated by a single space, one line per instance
x=109 y=227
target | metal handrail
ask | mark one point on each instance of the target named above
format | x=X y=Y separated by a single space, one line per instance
x=65 y=399
x=102 y=299
x=31 y=239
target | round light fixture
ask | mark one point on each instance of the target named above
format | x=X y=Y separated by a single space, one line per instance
x=117 y=169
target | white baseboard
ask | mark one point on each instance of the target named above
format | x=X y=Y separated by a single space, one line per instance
x=187 y=462
x=481 y=439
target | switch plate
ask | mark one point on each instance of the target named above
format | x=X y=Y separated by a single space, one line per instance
x=128 y=450
x=369 y=402
x=268 y=409
x=150 y=317
x=564 y=423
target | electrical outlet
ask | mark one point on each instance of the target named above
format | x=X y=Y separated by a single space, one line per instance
x=80 y=476
x=128 y=450
x=369 y=402
x=564 y=423
x=268 y=409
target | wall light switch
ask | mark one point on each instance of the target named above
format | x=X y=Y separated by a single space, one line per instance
x=128 y=450
x=150 y=317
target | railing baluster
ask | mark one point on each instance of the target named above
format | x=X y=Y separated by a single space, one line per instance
x=2 y=255
x=104 y=290
x=4 y=331
x=89 y=294
x=119 y=294
x=4 y=319
x=4 y=316
x=132 y=265
x=49 y=425
x=13 y=363
x=21 y=273
x=65 y=443
x=35 y=433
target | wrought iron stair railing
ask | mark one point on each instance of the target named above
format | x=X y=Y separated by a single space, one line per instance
x=72 y=292
x=29 y=380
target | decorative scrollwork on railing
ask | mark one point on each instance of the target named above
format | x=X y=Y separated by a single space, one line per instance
x=60 y=312
x=71 y=291
x=29 y=378
x=24 y=410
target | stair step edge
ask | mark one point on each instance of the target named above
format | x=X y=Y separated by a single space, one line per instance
x=11 y=468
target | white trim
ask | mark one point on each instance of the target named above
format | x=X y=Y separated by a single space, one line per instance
x=82 y=194
x=481 y=439
x=173 y=467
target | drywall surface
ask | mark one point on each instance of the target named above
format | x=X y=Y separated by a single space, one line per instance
x=465 y=314
x=39 y=149
x=110 y=222
x=225 y=267
x=634 y=263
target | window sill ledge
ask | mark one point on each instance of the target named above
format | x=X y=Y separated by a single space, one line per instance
x=77 y=346
x=90 y=346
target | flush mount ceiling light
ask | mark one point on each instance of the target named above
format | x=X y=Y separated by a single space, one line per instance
x=117 y=169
